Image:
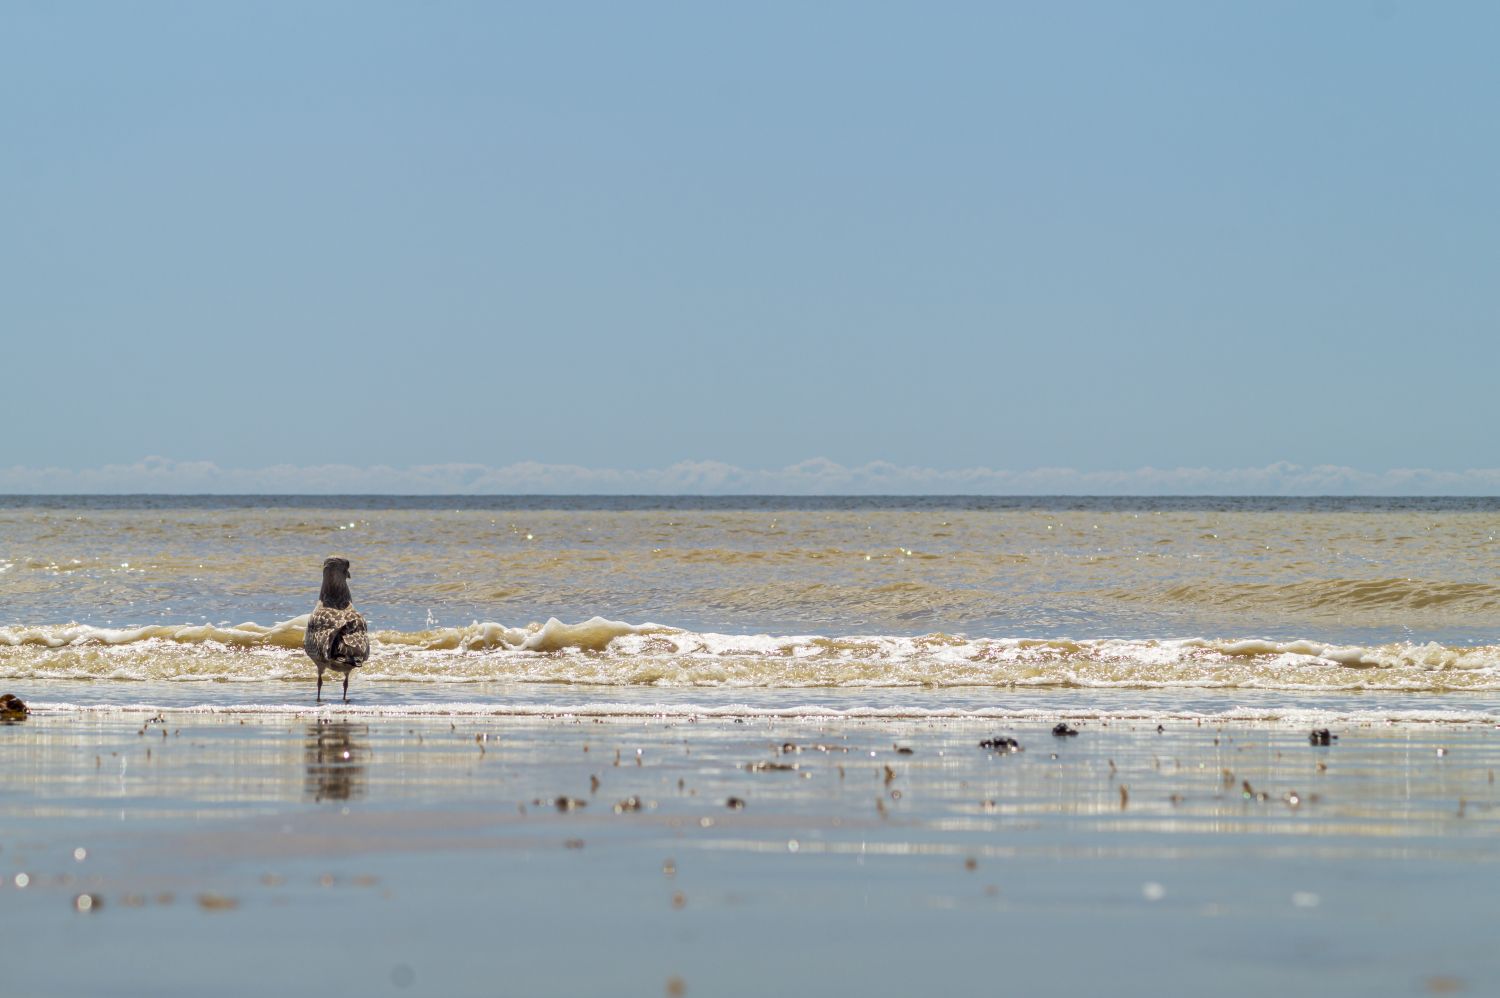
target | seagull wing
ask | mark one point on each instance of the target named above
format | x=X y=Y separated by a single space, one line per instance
x=350 y=641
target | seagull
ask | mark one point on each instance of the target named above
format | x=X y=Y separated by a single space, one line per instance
x=337 y=637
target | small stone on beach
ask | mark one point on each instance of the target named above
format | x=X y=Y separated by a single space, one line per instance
x=12 y=708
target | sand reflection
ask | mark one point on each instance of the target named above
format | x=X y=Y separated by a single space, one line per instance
x=336 y=752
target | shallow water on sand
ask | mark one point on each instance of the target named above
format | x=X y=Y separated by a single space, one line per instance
x=764 y=855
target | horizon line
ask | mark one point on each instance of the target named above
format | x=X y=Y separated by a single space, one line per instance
x=743 y=495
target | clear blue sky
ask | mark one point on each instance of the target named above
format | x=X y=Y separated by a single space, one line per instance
x=1089 y=235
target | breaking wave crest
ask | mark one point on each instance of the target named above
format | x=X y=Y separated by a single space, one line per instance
x=614 y=653
x=554 y=635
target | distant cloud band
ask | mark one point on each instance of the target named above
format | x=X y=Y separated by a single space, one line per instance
x=818 y=476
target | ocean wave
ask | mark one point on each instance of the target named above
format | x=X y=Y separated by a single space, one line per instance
x=594 y=634
x=286 y=634
x=1324 y=596
x=616 y=653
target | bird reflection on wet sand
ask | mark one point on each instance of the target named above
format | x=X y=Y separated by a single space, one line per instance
x=335 y=752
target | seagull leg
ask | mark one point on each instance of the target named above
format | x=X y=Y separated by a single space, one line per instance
x=346 y=687
x=320 y=686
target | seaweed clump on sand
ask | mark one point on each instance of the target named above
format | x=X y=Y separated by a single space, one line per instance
x=1322 y=736
x=1003 y=743
x=12 y=709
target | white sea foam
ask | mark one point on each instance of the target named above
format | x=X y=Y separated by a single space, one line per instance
x=616 y=653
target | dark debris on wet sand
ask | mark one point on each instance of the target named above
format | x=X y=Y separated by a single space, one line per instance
x=12 y=709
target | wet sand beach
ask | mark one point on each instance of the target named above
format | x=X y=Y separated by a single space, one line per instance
x=177 y=853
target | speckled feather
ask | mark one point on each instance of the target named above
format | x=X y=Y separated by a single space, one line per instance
x=337 y=639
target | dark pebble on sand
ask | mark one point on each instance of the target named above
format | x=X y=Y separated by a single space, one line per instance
x=569 y=803
x=734 y=804
x=1322 y=736
x=1062 y=730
